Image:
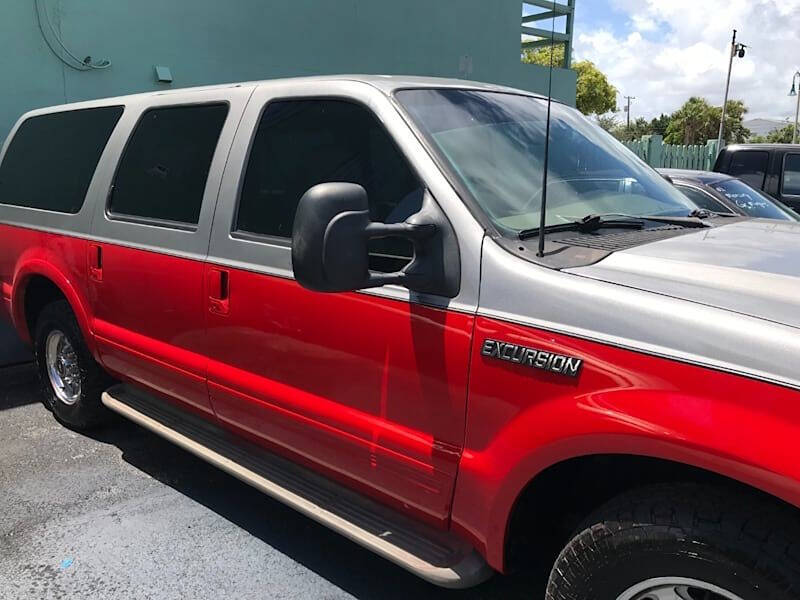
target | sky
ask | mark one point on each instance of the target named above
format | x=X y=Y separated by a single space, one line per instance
x=664 y=51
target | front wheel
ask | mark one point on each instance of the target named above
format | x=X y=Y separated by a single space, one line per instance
x=682 y=542
x=71 y=380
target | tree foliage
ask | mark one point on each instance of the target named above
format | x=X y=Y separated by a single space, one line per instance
x=659 y=124
x=697 y=121
x=608 y=122
x=637 y=129
x=541 y=56
x=783 y=135
x=595 y=95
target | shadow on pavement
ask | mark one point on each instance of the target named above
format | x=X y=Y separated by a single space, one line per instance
x=331 y=556
x=18 y=386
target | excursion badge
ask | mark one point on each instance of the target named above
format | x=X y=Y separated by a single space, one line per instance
x=569 y=366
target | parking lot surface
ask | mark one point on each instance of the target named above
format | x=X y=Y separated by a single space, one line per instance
x=124 y=514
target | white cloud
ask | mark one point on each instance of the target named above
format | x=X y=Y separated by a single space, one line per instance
x=643 y=23
x=679 y=48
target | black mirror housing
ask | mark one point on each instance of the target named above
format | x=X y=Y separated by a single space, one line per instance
x=330 y=244
x=316 y=266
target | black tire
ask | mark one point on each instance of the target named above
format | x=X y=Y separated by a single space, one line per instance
x=742 y=543
x=87 y=411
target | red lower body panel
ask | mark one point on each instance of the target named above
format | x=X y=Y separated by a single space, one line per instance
x=371 y=390
x=522 y=420
x=160 y=367
x=149 y=322
x=5 y=301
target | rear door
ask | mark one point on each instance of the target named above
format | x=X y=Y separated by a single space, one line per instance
x=368 y=387
x=151 y=235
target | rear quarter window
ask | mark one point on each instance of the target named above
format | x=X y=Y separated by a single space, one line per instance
x=52 y=158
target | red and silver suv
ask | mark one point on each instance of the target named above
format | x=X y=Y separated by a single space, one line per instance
x=343 y=291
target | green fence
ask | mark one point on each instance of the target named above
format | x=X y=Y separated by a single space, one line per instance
x=653 y=150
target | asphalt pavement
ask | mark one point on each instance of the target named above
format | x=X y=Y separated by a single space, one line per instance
x=123 y=514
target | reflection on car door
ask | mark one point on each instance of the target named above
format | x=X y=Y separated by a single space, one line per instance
x=367 y=387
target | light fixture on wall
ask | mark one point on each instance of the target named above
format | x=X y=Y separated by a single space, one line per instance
x=163 y=74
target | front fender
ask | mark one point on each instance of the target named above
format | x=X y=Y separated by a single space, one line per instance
x=522 y=421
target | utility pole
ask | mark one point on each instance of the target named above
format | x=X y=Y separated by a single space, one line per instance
x=735 y=49
x=628 y=108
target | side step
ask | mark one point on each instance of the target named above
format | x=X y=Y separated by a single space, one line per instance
x=436 y=556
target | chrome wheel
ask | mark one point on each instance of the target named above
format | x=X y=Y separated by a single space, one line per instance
x=676 y=588
x=62 y=368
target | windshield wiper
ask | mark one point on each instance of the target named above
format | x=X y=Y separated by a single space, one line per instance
x=704 y=213
x=587 y=224
x=591 y=223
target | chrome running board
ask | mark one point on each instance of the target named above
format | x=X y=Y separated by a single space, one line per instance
x=436 y=556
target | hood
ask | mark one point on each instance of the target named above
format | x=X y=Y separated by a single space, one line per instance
x=750 y=267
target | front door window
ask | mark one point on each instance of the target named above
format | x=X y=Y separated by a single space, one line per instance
x=302 y=143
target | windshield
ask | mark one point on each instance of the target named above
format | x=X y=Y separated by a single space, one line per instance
x=751 y=201
x=494 y=143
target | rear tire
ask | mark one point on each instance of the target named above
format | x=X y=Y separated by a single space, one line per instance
x=71 y=380
x=685 y=541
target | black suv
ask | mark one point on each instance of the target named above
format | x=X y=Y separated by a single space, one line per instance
x=774 y=168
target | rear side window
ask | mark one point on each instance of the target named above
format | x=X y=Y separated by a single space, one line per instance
x=750 y=166
x=791 y=175
x=703 y=200
x=52 y=158
x=302 y=143
x=163 y=171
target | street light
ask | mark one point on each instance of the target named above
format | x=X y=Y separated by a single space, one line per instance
x=794 y=92
x=736 y=50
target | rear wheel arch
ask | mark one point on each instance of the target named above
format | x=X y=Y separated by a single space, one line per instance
x=39 y=284
x=39 y=291
x=555 y=501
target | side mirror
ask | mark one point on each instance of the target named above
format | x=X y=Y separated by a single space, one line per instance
x=330 y=244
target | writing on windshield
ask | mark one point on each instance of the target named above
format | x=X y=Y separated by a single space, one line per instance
x=750 y=201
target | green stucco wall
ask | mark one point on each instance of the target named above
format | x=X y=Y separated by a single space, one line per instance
x=214 y=41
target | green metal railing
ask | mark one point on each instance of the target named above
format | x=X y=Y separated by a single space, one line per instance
x=533 y=36
x=653 y=150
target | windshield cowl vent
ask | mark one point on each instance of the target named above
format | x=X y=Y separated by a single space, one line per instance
x=611 y=242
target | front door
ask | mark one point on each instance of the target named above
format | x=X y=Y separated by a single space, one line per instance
x=368 y=387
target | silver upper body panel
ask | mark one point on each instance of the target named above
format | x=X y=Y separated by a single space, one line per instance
x=650 y=322
x=748 y=267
